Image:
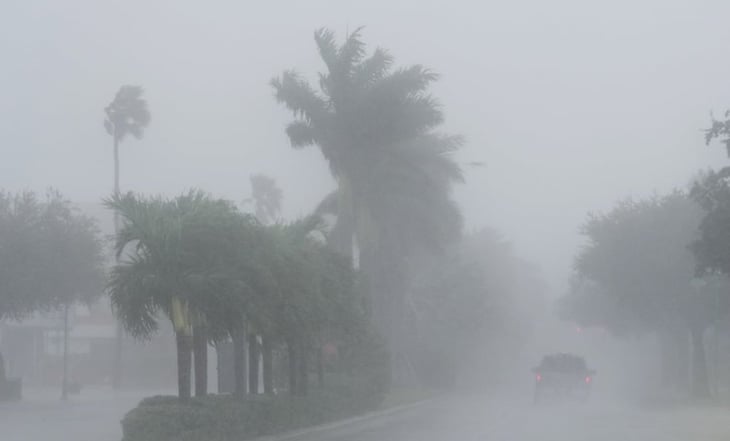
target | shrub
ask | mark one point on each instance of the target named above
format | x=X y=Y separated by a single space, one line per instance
x=225 y=418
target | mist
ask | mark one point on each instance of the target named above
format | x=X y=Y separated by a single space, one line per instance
x=572 y=116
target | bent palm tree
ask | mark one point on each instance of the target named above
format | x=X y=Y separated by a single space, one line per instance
x=375 y=126
x=126 y=115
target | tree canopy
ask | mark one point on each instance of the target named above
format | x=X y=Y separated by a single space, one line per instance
x=50 y=254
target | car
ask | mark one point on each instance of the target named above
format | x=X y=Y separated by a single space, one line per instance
x=562 y=376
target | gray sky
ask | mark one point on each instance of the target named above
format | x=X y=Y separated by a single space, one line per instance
x=571 y=104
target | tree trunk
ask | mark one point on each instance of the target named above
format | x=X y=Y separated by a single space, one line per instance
x=267 y=351
x=3 y=374
x=64 y=383
x=292 y=355
x=239 y=363
x=119 y=335
x=700 y=387
x=200 y=348
x=253 y=364
x=303 y=380
x=184 y=359
x=320 y=367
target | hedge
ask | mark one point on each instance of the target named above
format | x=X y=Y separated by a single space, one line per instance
x=225 y=418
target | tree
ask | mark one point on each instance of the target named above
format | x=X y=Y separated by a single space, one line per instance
x=175 y=254
x=72 y=252
x=719 y=130
x=126 y=115
x=266 y=197
x=50 y=257
x=21 y=293
x=637 y=274
x=375 y=126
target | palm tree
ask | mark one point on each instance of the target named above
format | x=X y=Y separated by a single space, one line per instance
x=175 y=254
x=266 y=197
x=375 y=126
x=126 y=115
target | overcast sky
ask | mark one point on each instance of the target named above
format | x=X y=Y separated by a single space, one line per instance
x=572 y=105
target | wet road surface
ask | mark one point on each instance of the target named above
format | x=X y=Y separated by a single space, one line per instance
x=95 y=415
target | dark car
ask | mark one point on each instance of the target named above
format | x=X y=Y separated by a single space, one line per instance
x=562 y=376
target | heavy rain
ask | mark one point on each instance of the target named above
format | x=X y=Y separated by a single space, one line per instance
x=377 y=220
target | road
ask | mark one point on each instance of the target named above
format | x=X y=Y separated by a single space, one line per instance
x=95 y=415
x=480 y=419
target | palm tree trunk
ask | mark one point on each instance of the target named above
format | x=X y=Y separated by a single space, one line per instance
x=117 y=368
x=700 y=387
x=64 y=384
x=303 y=380
x=200 y=349
x=292 y=355
x=253 y=363
x=239 y=362
x=267 y=351
x=320 y=367
x=184 y=365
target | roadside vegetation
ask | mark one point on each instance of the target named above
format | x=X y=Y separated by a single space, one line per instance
x=660 y=266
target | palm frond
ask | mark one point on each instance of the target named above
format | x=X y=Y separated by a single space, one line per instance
x=372 y=69
x=350 y=53
x=327 y=47
x=301 y=134
x=299 y=97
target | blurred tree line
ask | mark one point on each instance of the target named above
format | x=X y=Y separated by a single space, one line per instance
x=660 y=265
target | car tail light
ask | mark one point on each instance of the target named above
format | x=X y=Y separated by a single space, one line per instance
x=538 y=377
x=588 y=379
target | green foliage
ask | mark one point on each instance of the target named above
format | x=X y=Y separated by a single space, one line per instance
x=376 y=127
x=202 y=263
x=712 y=248
x=637 y=273
x=127 y=114
x=50 y=254
x=224 y=418
x=186 y=248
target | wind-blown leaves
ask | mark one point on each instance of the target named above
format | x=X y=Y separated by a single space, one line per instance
x=375 y=126
x=127 y=114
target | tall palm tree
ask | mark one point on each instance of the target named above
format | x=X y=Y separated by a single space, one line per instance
x=376 y=127
x=126 y=115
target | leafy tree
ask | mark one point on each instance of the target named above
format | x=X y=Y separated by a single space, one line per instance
x=637 y=274
x=376 y=127
x=50 y=258
x=21 y=291
x=73 y=259
x=126 y=115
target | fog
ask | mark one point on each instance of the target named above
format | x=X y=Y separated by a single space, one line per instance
x=566 y=107
x=570 y=105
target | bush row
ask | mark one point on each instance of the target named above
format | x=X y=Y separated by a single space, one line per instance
x=225 y=418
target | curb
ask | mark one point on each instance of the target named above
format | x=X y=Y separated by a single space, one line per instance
x=341 y=423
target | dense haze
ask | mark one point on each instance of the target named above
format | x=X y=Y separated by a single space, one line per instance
x=571 y=105
x=591 y=223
